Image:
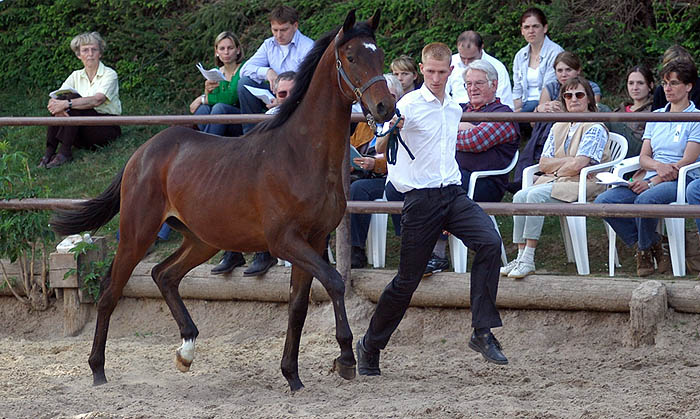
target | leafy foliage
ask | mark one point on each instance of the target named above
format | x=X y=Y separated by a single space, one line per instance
x=154 y=44
x=90 y=273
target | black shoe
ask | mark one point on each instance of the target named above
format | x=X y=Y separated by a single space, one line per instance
x=367 y=362
x=262 y=263
x=436 y=264
x=228 y=262
x=489 y=347
x=358 y=258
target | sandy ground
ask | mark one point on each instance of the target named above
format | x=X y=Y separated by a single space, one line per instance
x=562 y=364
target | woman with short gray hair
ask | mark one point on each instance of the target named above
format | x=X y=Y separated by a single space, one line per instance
x=91 y=91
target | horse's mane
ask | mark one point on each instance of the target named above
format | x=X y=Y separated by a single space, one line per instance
x=305 y=73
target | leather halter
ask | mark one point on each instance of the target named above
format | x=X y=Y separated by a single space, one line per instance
x=341 y=73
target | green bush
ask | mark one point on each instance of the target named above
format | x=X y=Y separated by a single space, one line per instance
x=154 y=44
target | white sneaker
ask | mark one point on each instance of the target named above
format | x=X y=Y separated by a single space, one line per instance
x=505 y=270
x=522 y=269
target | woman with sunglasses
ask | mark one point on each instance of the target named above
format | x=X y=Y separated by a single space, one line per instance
x=570 y=147
x=221 y=97
x=667 y=147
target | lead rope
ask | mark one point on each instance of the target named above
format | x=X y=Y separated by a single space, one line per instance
x=394 y=141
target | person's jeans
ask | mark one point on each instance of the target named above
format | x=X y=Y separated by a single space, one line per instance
x=249 y=103
x=638 y=230
x=692 y=194
x=426 y=212
x=529 y=227
x=226 y=130
x=529 y=106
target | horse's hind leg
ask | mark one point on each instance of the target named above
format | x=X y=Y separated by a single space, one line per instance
x=110 y=291
x=298 y=307
x=167 y=275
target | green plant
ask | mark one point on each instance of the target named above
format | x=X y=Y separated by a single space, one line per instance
x=90 y=273
x=24 y=235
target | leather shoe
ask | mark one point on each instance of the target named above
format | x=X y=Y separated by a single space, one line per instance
x=367 y=362
x=58 y=160
x=44 y=161
x=489 y=347
x=358 y=258
x=262 y=263
x=228 y=262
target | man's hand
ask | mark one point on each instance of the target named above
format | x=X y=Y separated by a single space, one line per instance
x=466 y=126
x=639 y=186
x=399 y=125
x=551 y=106
x=210 y=85
x=365 y=163
x=271 y=76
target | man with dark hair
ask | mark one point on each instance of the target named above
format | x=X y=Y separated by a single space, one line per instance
x=434 y=200
x=283 y=51
x=470 y=48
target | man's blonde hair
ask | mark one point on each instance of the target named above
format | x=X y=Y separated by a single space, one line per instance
x=436 y=51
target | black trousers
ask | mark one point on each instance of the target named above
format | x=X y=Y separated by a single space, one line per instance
x=426 y=212
x=89 y=137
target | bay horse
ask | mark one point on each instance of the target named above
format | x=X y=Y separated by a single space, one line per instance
x=277 y=188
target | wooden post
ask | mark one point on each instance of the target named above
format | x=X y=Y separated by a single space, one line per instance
x=76 y=303
x=647 y=309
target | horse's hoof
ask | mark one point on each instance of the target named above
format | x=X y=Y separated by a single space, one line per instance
x=345 y=371
x=295 y=385
x=182 y=364
x=98 y=380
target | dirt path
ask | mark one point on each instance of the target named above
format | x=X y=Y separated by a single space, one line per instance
x=562 y=364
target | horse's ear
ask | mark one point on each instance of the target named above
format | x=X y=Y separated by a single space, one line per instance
x=349 y=21
x=374 y=20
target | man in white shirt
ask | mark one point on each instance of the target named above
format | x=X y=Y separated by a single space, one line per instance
x=470 y=48
x=434 y=200
x=283 y=51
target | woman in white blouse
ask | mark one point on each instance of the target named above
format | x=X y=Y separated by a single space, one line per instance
x=91 y=91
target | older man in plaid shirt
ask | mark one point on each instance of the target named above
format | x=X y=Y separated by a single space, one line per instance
x=484 y=146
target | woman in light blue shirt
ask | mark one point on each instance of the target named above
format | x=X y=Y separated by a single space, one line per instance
x=667 y=146
x=533 y=65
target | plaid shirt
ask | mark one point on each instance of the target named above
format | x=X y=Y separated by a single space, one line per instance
x=486 y=134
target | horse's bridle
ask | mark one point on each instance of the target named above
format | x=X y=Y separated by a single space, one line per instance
x=341 y=73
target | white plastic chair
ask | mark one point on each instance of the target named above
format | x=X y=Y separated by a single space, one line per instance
x=376 y=238
x=458 y=250
x=675 y=227
x=573 y=229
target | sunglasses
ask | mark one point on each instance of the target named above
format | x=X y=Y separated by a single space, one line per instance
x=281 y=94
x=569 y=95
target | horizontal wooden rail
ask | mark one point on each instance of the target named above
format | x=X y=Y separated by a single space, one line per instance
x=356 y=117
x=492 y=208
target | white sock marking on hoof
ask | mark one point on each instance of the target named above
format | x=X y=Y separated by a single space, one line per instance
x=187 y=350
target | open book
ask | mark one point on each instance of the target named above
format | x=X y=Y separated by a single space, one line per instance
x=353 y=155
x=607 y=178
x=56 y=93
x=262 y=94
x=212 y=75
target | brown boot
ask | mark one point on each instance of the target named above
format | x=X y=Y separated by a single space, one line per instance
x=645 y=263
x=663 y=262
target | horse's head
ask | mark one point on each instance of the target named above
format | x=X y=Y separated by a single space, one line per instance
x=359 y=63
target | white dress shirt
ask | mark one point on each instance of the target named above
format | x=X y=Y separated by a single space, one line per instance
x=455 y=84
x=430 y=132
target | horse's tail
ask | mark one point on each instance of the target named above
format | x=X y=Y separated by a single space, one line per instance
x=90 y=215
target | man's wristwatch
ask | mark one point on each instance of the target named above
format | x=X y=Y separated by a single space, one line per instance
x=70 y=104
x=651 y=184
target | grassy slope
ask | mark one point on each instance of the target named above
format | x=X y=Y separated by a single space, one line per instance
x=91 y=172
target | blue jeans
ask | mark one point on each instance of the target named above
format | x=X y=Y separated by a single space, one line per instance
x=226 y=130
x=692 y=195
x=249 y=103
x=163 y=234
x=369 y=190
x=638 y=230
x=529 y=106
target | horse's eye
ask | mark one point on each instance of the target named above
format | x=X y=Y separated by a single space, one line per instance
x=351 y=58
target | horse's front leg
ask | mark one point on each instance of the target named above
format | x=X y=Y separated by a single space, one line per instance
x=303 y=256
x=298 y=307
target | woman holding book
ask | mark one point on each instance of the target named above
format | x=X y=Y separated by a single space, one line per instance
x=666 y=147
x=221 y=97
x=92 y=91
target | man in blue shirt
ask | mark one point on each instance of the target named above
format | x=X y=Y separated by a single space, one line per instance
x=284 y=51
